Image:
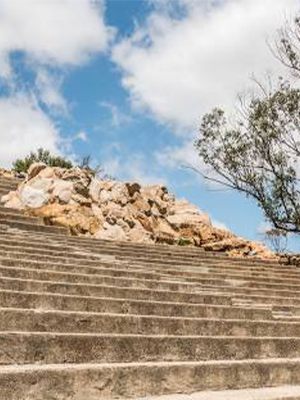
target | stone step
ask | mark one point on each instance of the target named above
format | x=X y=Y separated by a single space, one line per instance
x=19 y=224
x=11 y=210
x=248 y=287
x=160 y=252
x=266 y=393
x=5 y=179
x=253 y=291
x=19 y=217
x=200 y=297
x=90 y=264
x=3 y=192
x=202 y=276
x=159 y=262
x=151 y=282
x=7 y=283
x=198 y=251
x=61 y=302
x=49 y=348
x=26 y=320
x=48 y=275
x=94 y=244
x=130 y=380
x=111 y=269
x=8 y=186
x=54 y=249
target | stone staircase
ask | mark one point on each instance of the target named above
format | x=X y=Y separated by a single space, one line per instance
x=85 y=319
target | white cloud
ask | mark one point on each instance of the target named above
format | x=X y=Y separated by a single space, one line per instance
x=179 y=156
x=53 y=31
x=48 y=89
x=118 y=117
x=133 y=168
x=180 y=68
x=24 y=128
x=83 y=136
x=53 y=35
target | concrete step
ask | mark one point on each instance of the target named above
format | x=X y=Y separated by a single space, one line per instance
x=249 y=288
x=94 y=244
x=56 y=248
x=16 y=181
x=162 y=251
x=11 y=210
x=7 y=283
x=201 y=266
x=26 y=320
x=148 y=281
x=46 y=275
x=253 y=290
x=11 y=216
x=132 y=380
x=19 y=224
x=159 y=266
x=206 y=295
x=49 y=348
x=203 y=276
x=8 y=186
x=266 y=393
x=54 y=301
x=110 y=269
x=3 y=193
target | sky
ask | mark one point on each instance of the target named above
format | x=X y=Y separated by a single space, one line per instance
x=128 y=81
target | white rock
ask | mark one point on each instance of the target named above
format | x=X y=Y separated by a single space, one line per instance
x=98 y=213
x=63 y=190
x=34 y=198
x=119 y=193
x=95 y=189
x=44 y=184
x=105 y=196
x=14 y=202
x=113 y=232
x=4 y=199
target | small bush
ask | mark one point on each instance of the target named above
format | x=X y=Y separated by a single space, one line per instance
x=42 y=156
x=183 y=242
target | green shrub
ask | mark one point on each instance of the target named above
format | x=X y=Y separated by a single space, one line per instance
x=183 y=242
x=42 y=156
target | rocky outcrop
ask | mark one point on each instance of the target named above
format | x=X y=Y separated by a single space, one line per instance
x=113 y=210
x=6 y=173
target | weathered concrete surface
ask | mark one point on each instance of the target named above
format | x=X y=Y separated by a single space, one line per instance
x=86 y=319
x=281 y=393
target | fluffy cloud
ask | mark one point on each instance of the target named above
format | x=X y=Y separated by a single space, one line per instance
x=56 y=32
x=24 y=127
x=132 y=168
x=53 y=35
x=179 y=68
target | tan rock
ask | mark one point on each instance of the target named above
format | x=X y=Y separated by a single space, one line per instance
x=34 y=197
x=35 y=169
x=112 y=232
x=62 y=190
x=95 y=189
x=123 y=211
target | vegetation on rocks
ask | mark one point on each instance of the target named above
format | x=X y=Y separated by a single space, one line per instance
x=41 y=156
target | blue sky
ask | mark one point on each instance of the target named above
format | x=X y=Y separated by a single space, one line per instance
x=128 y=81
